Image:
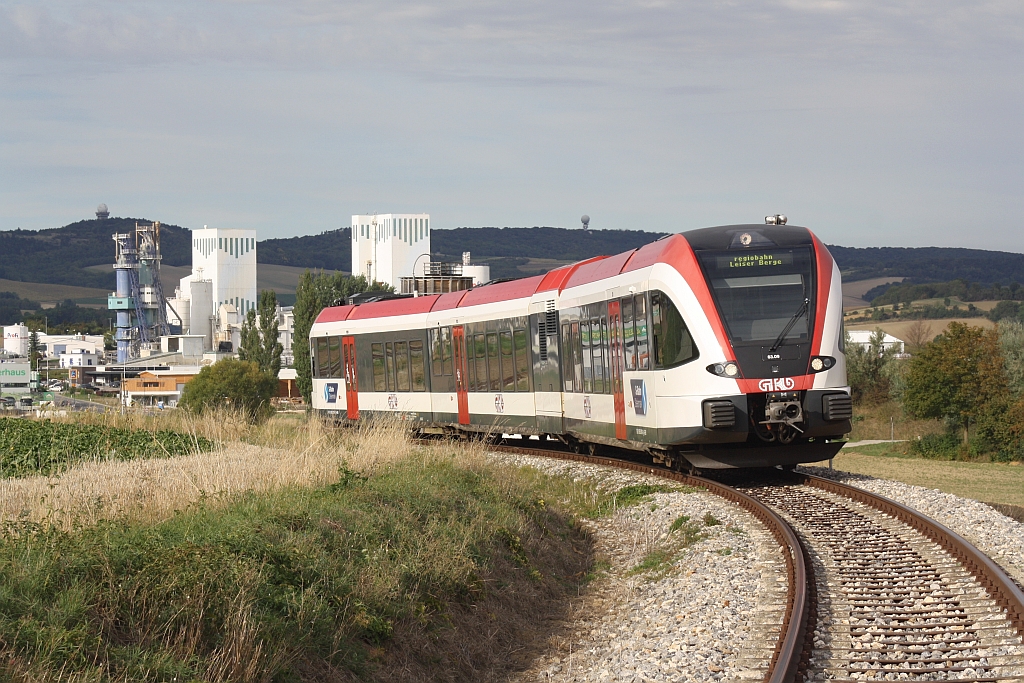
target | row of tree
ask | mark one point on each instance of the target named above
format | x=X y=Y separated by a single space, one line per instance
x=971 y=379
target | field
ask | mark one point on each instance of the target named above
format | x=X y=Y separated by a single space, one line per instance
x=290 y=551
x=898 y=328
x=50 y=294
x=987 y=482
x=281 y=279
x=853 y=292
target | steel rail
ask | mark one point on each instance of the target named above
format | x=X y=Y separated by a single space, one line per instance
x=790 y=651
x=1000 y=586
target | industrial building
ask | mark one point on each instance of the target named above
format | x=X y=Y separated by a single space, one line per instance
x=387 y=247
x=213 y=301
x=138 y=300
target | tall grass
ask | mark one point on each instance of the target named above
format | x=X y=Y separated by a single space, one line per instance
x=306 y=554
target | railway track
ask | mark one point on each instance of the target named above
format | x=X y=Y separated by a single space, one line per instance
x=875 y=591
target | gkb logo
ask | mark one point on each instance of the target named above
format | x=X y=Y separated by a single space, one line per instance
x=776 y=384
x=331 y=392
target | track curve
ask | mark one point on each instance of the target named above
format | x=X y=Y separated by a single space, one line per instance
x=791 y=648
x=901 y=596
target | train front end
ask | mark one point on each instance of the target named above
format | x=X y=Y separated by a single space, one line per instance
x=774 y=299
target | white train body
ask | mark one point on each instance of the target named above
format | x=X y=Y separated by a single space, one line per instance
x=720 y=347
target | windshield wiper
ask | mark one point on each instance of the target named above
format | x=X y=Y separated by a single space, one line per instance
x=789 y=326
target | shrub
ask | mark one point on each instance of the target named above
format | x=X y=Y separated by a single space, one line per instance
x=237 y=384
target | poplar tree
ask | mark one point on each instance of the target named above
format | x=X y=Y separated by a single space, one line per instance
x=259 y=342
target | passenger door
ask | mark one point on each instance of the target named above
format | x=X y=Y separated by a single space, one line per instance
x=618 y=363
x=348 y=357
x=461 y=378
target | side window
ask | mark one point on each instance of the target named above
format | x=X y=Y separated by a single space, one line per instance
x=419 y=372
x=508 y=366
x=671 y=340
x=470 y=364
x=493 y=367
x=402 y=366
x=335 y=350
x=446 y=344
x=597 y=349
x=323 y=363
x=521 y=343
x=436 y=352
x=643 y=357
x=389 y=364
x=628 y=340
x=577 y=357
x=588 y=362
x=566 y=351
x=377 y=357
x=481 y=362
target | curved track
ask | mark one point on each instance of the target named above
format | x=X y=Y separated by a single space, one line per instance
x=899 y=596
x=790 y=646
x=876 y=590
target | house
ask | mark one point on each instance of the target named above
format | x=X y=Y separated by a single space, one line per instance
x=863 y=338
x=158 y=388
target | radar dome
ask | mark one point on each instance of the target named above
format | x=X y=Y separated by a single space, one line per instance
x=102 y=212
x=586 y=220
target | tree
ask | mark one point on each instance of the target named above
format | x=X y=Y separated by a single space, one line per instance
x=315 y=292
x=918 y=334
x=33 y=349
x=867 y=368
x=232 y=383
x=1011 y=343
x=960 y=377
x=259 y=340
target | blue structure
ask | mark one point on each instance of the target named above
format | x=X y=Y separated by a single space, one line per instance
x=138 y=300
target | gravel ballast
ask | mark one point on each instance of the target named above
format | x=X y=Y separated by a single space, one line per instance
x=703 y=611
x=995 y=534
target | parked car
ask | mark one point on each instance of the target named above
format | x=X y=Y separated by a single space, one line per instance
x=26 y=402
x=7 y=401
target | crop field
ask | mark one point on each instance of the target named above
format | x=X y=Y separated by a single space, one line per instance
x=31 y=447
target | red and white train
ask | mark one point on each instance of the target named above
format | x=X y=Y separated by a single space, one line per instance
x=718 y=347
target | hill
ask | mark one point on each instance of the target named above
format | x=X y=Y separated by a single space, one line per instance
x=929 y=264
x=61 y=255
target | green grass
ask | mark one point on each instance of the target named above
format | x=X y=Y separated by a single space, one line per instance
x=683 y=533
x=989 y=482
x=31 y=447
x=298 y=584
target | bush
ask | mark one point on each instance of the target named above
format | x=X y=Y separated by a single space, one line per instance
x=233 y=383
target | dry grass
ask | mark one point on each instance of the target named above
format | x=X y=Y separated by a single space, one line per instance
x=287 y=451
x=873 y=422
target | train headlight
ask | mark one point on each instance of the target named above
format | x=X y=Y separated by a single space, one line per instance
x=728 y=369
x=820 y=363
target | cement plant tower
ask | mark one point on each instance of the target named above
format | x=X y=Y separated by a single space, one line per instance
x=139 y=301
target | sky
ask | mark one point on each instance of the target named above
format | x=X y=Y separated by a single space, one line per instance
x=872 y=123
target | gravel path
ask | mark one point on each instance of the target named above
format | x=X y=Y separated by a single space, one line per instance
x=703 y=608
x=995 y=534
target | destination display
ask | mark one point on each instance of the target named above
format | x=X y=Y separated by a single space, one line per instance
x=756 y=260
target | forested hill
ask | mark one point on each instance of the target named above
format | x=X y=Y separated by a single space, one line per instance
x=61 y=255
x=929 y=264
x=507 y=249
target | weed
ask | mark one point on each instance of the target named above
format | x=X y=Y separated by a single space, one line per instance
x=709 y=520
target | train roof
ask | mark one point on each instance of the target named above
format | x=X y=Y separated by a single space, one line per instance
x=676 y=250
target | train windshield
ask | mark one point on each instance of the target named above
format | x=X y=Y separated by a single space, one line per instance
x=765 y=296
